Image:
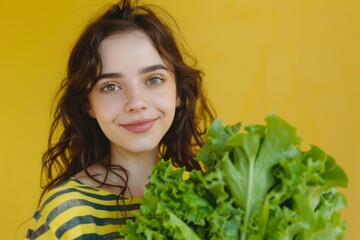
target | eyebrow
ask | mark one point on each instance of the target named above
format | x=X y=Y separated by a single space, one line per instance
x=109 y=75
x=153 y=68
x=141 y=71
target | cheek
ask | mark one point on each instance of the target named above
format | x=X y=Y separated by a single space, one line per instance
x=167 y=102
x=105 y=109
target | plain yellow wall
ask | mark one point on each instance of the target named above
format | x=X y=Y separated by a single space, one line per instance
x=299 y=59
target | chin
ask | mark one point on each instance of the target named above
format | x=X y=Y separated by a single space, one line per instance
x=143 y=147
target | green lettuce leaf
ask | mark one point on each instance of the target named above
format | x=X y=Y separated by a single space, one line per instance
x=258 y=184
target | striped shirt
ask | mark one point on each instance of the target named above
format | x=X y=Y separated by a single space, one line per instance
x=78 y=211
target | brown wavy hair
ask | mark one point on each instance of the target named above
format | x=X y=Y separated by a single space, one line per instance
x=80 y=142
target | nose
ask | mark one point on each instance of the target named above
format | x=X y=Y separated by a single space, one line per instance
x=136 y=99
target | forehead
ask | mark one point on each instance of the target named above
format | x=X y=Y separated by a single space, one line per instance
x=128 y=48
x=126 y=37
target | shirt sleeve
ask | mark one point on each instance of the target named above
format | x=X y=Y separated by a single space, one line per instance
x=39 y=229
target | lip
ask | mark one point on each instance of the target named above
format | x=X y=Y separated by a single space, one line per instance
x=139 y=126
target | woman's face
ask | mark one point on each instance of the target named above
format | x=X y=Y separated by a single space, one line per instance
x=135 y=99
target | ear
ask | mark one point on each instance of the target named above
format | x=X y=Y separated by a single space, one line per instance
x=178 y=101
x=90 y=111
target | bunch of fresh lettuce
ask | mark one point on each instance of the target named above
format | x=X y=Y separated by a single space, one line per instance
x=258 y=184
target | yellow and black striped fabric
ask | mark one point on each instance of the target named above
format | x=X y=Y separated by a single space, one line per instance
x=77 y=211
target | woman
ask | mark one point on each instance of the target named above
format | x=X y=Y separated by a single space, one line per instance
x=128 y=100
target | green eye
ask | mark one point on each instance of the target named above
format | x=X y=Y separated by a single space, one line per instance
x=154 y=81
x=110 y=88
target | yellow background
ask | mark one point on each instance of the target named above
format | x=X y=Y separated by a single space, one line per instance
x=299 y=59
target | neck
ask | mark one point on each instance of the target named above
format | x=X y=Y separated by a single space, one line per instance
x=138 y=166
x=134 y=161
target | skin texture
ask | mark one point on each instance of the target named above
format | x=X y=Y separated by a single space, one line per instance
x=134 y=104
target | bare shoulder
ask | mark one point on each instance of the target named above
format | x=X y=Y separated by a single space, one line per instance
x=98 y=177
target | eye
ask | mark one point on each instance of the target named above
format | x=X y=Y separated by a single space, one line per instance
x=110 y=87
x=154 y=81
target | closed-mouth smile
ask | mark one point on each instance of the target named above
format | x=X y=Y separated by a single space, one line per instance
x=139 y=126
